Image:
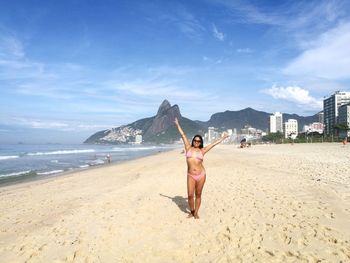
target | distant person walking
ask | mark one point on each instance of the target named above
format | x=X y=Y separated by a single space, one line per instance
x=108 y=157
x=195 y=170
x=345 y=140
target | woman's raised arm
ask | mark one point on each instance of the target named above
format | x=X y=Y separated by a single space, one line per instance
x=209 y=146
x=183 y=136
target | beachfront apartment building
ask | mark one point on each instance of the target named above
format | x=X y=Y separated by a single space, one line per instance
x=276 y=122
x=314 y=127
x=138 y=139
x=212 y=134
x=320 y=116
x=290 y=128
x=344 y=119
x=330 y=110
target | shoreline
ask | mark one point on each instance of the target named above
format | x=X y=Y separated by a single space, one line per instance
x=68 y=173
x=37 y=177
x=259 y=204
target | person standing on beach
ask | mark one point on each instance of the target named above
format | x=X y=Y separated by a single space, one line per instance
x=195 y=170
x=345 y=140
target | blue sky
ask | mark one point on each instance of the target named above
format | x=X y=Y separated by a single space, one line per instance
x=71 y=68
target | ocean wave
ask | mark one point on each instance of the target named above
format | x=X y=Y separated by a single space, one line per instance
x=51 y=172
x=16 y=174
x=62 y=152
x=84 y=166
x=116 y=149
x=6 y=157
x=96 y=162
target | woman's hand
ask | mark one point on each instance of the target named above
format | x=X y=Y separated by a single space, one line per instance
x=176 y=121
x=225 y=135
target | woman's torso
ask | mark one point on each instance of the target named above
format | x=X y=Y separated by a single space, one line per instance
x=194 y=159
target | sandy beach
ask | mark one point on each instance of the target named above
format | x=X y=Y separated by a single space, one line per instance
x=268 y=203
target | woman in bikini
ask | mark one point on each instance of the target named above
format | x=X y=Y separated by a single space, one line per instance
x=195 y=169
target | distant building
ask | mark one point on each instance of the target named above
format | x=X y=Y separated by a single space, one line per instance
x=276 y=122
x=138 y=139
x=314 y=127
x=211 y=134
x=321 y=117
x=344 y=119
x=248 y=130
x=290 y=128
x=330 y=109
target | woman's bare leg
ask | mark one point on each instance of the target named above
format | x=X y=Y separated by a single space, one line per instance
x=199 y=187
x=190 y=194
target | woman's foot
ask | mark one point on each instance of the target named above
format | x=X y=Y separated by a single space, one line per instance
x=191 y=214
x=196 y=216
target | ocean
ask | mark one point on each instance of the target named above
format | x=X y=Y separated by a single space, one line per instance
x=23 y=162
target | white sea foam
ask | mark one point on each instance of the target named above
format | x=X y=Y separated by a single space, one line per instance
x=84 y=166
x=62 y=152
x=116 y=149
x=96 y=162
x=6 y=157
x=15 y=174
x=51 y=172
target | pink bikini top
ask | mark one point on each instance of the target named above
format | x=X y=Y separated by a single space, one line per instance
x=198 y=155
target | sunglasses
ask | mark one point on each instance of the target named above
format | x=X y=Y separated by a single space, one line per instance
x=197 y=140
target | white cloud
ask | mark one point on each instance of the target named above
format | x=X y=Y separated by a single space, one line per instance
x=328 y=57
x=245 y=50
x=185 y=21
x=58 y=125
x=252 y=14
x=39 y=124
x=161 y=71
x=11 y=47
x=217 y=34
x=304 y=16
x=161 y=89
x=27 y=77
x=13 y=62
x=294 y=94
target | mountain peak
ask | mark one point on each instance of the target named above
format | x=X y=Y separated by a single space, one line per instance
x=164 y=107
x=164 y=119
x=248 y=109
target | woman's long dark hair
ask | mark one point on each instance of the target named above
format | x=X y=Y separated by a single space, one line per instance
x=200 y=137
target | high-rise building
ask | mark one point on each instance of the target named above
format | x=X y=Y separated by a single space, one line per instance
x=320 y=117
x=138 y=139
x=276 y=122
x=211 y=134
x=330 y=109
x=344 y=119
x=290 y=128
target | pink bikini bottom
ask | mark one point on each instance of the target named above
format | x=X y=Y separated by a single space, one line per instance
x=197 y=177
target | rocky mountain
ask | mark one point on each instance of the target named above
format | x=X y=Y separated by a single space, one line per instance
x=238 y=119
x=157 y=129
x=161 y=129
